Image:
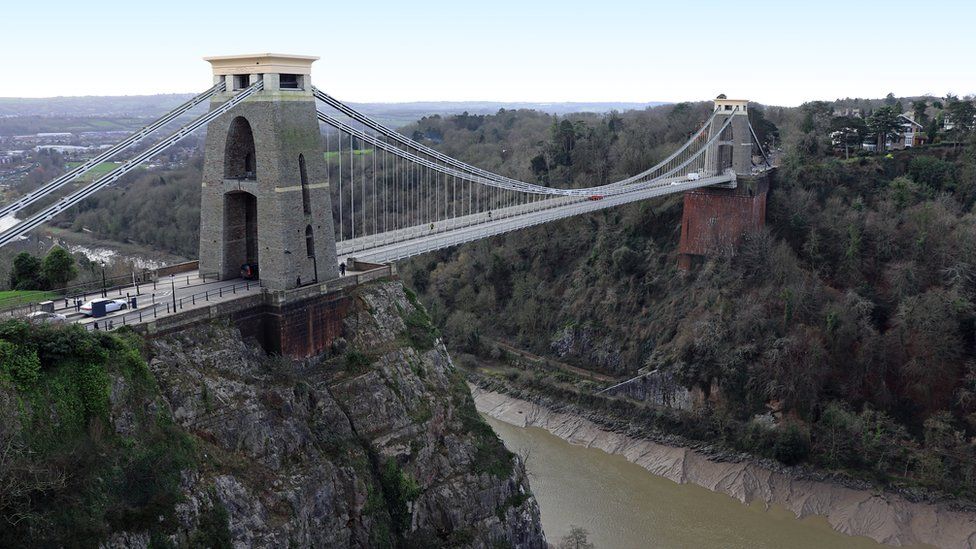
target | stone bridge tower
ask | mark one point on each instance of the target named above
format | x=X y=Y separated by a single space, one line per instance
x=265 y=196
x=733 y=149
x=716 y=219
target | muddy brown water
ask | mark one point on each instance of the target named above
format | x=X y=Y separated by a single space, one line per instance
x=622 y=505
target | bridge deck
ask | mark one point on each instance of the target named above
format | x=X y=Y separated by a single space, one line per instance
x=154 y=300
x=169 y=295
x=379 y=248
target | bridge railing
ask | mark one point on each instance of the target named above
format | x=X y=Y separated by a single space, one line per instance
x=111 y=286
x=352 y=245
x=402 y=250
x=169 y=305
x=165 y=307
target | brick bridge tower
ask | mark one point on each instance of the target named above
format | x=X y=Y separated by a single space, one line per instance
x=265 y=194
x=715 y=219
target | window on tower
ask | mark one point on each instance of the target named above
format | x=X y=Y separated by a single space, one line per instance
x=290 y=81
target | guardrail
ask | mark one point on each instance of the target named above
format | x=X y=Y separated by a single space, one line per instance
x=172 y=305
x=129 y=290
x=103 y=288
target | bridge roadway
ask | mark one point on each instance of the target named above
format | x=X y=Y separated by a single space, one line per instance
x=157 y=299
x=422 y=238
x=187 y=290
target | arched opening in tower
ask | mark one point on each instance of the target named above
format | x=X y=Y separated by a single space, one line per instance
x=727 y=134
x=309 y=242
x=239 y=156
x=240 y=230
x=306 y=200
x=724 y=157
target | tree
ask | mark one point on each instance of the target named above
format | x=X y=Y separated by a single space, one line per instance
x=766 y=132
x=918 y=111
x=577 y=538
x=792 y=444
x=26 y=274
x=884 y=123
x=58 y=268
x=961 y=113
x=848 y=131
x=816 y=117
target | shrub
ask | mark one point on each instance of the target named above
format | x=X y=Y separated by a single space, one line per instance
x=420 y=332
x=18 y=364
x=626 y=261
x=356 y=362
x=399 y=489
x=792 y=444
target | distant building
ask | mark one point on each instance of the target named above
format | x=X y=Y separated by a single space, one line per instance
x=54 y=137
x=848 y=111
x=64 y=149
x=948 y=123
x=912 y=132
x=912 y=135
x=12 y=157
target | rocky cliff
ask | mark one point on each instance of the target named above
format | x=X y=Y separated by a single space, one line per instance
x=377 y=444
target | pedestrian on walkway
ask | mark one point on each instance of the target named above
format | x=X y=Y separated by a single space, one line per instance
x=342 y=268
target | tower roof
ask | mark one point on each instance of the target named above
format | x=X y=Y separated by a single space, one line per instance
x=261 y=63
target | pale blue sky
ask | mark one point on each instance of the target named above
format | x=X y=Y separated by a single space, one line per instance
x=773 y=52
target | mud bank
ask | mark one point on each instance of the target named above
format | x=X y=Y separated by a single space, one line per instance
x=886 y=518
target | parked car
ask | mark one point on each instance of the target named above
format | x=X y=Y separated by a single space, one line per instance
x=111 y=305
x=44 y=317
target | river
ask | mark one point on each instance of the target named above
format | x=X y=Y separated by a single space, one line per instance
x=622 y=505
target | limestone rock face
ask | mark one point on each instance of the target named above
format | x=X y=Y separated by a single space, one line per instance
x=376 y=445
x=582 y=342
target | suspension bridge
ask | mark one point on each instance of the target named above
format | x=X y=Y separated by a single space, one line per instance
x=295 y=180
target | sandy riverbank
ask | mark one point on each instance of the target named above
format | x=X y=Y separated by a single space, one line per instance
x=886 y=518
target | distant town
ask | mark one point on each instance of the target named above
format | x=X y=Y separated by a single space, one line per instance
x=894 y=125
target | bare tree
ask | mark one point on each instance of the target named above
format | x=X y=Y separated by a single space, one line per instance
x=577 y=538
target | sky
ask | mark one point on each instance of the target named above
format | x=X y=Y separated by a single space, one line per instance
x=773 y=52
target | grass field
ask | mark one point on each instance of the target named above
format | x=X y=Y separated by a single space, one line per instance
x=334 y=155
x=96 y=172
x=16 y=298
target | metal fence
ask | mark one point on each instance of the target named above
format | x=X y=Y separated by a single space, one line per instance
x=171 y=305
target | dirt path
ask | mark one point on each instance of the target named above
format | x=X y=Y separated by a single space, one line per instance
x=569 y=368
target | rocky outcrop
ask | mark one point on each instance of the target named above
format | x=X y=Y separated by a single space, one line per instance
x=378 y=444
x=884 y=517
x=654 y=387
x=582 y=342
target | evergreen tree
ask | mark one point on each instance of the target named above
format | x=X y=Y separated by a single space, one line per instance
x=26 y=273
x=58 y=268
x=885 y=123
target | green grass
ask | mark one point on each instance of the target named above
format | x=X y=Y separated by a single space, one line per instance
x=16 y=298
x=334 y=155
x=96 y=172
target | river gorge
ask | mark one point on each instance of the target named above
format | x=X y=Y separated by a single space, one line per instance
x=585 y=476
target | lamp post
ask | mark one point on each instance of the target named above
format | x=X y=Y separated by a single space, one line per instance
x=172 y=285
x=103 y=279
